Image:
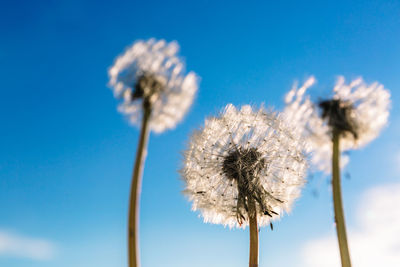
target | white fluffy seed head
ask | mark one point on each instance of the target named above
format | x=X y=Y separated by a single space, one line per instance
x=156 y=59
x=240 y=156
x=368 y=112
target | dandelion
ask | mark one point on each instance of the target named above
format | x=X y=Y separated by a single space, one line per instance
x=352 y=118
x=150 y=80
x=244 y=168
x=359 y=111
x=149 y=73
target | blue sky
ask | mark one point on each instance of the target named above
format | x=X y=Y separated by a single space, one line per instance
x=66 y=154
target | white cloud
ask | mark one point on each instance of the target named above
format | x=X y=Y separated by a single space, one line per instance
x=25 y=247
x=376 y=239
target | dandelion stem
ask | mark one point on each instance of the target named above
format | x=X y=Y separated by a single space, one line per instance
x=253 y=225
x=133 y=224
x=337 y=203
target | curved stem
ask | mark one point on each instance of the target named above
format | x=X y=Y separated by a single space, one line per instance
x=253 y=225
x=337 y=203
x=133 y=224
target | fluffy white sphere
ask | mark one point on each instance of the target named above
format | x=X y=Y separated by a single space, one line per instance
x=367 y=112
x=158 y=60
x=240 y=156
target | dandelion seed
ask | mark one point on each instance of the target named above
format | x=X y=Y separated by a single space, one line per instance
x=250 y=166
x=150 y=80
x=350 y=119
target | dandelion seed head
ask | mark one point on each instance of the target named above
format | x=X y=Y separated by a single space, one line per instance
x=357 y=111
x=150 y=73
x=240 y=156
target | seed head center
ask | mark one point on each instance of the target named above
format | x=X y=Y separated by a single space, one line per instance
x=338 y=114
x=242 y=164
x=148 y=87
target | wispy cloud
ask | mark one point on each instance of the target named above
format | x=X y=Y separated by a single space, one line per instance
x=15 y=245
x=375 y=241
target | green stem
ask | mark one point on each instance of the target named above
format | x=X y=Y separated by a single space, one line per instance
x=133 y=224
x=337 y=203
x=253 y=225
